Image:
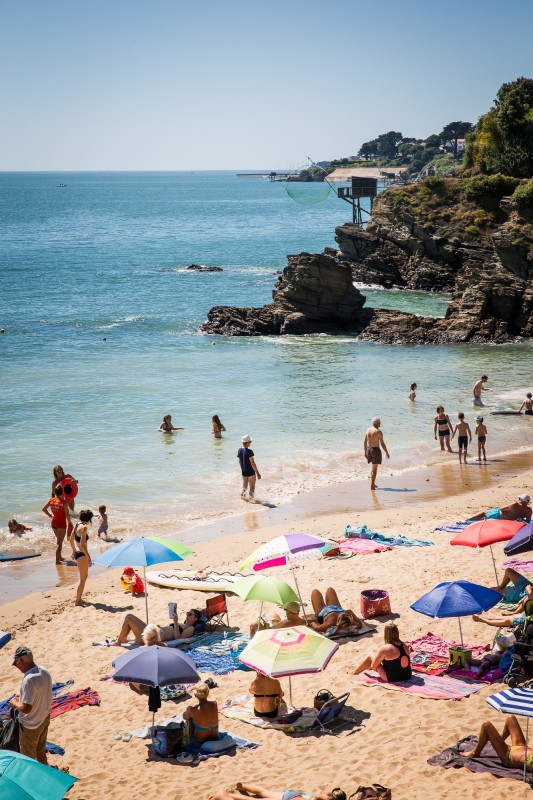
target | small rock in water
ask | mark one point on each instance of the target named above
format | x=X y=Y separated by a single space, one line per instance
x=203 y=268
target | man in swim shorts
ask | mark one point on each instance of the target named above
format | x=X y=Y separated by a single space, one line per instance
x=516 y=511
x=372 y=449
x=477 y=389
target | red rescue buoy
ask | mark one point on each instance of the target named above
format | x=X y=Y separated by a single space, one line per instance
x=70 y=488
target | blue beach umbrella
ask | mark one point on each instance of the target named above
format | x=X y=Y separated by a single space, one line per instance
x=521 y=542
x=515 y=701
x=23 y=778
x=456 y=599
x=143 y=553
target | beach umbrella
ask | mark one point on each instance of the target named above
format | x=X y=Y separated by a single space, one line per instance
x=487 y=532
x=284 y=652
x=155 y=666
x=143 y=552
x=23 y=778
x=456 y=599
x=266 y=590
x=522 y=541
x=284 y=550
x=518 y=702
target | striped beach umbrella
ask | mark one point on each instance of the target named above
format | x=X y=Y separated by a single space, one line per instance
x=518 y=702
x=285 y=652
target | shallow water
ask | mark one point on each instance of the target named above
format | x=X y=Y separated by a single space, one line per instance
x=107 y=257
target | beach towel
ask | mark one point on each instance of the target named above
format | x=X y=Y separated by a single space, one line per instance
x=57 y=688
x=432 y=687
x=435 y=645
x=488 y=761
x=242 y=708
x=72 y=700
x=469 y=674
x=456 y=528
x=432 y=665
x=361 y=531
x=54 y=749
x=240 y=744
x=219 y=652
x=352 y=632
x=362 y=547
x=132 y=645
x=519 y=564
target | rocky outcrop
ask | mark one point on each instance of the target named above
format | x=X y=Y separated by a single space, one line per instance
x=314 y=294
x=203 y=268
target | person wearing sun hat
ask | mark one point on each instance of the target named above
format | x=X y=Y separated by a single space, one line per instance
x=519 y=510
x=249 y=469
x=32 y=704
x=292 y=617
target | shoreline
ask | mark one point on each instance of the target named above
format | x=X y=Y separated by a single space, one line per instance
x=422 y=483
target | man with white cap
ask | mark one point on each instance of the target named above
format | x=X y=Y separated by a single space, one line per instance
x=249 y=469
x=33 y=705
x=515 y=511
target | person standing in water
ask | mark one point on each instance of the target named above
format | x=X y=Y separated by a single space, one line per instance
x=372 y=445
x=527 y=405
x=167 y=426
x=479 y=387
x=248 y=467
x=217 y=426
x=481 y=433
x=464 y=434
x=444 y=428
x=78 y=542
x=57 y=509
x=412 y=392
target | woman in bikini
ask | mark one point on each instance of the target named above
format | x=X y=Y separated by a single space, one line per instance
x=167 y=426
x=78 y=541
x=444 y=428
x=331 y=617
x=512 y=755
x=391 y=662
x=258 y=790
x=202 y=718
x=217 y=426
x=267 y=694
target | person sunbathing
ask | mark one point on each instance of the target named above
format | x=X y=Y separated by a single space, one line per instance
x=509 y=619
x=521 y=586
x=513 y=755
x=267 y=694
x=258 y=790
x=391 y=661
x=202 y=718
x=521 y=509
x=191 y=626
x=292 y=617
x=331 y=617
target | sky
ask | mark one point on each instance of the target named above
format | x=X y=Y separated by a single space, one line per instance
x=176 y=85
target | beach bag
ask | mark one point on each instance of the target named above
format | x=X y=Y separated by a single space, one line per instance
x=321 y=697
x=169 y=740
x=374 y=603
x=10 y=732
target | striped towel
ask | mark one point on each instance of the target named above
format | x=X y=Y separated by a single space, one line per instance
x=456 y=528
x=520 y=564
x=434 y=687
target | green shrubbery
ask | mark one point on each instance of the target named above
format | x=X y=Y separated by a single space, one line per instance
x=523 y=195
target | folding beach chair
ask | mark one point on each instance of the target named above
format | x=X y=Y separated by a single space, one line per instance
x=216 y=612
x=330 y=713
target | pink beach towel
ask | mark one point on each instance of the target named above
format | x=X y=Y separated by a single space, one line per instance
x=520 y=564
x=362 y=547
x=437 y=646
x=433 y=687
x=72 y=700
x=469 y=674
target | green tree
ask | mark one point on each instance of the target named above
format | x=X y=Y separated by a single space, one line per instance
x=454 y=131
x=388 y=144
x=368 y=149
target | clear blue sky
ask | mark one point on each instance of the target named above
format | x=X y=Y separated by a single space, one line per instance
x=171 y=85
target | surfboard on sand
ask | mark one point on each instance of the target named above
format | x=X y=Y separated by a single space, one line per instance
x=188 y=579
x=17 y=555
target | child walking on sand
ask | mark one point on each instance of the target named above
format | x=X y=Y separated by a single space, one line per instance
x=464 y=434
x=481 y=433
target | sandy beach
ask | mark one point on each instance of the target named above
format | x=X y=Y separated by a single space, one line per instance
x=396 y=733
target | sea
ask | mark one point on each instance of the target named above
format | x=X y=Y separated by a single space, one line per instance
x=100 y=340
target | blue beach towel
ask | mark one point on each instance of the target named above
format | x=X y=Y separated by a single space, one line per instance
x=362 y=532
x=219 y=652
x=457 y=528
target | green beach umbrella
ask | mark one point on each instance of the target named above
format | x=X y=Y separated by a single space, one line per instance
x=23 y=778
x=266 y=590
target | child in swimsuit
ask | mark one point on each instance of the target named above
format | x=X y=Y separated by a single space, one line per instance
x=17 y=527
x=463 y=429
x=481 y=433
x=527 y=405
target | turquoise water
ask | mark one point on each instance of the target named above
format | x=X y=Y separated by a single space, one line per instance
x=107 y=257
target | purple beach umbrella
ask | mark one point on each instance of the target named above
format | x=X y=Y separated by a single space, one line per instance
x=522 y=542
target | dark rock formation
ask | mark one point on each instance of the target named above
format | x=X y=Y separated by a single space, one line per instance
x=315 y=294
x=203 y=268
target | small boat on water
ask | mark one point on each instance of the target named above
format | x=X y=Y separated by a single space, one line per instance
x=61 y=186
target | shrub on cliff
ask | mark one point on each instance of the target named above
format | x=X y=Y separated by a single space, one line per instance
x=487 y=190
x=523 y=196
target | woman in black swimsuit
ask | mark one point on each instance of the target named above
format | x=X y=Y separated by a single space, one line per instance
x=444 y=428
x=391 y=662
x=80 y=552
x=267 y=694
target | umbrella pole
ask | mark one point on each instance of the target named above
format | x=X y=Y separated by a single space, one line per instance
x=145 y=593
x=460 y=630
x=290 y=694
x=494 y=565
x=260 y=615
x=299 y=594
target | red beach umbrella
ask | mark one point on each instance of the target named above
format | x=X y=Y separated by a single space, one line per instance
x=487 y=532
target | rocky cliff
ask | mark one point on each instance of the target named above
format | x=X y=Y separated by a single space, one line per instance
x=451 y=235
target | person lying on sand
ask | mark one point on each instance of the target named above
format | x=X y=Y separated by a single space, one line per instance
x=512 y=755
x=191 y=626
x=508 y=619
x=391 y=661
x=292 y=617
x=258 y=790
x=521 y=586
x=332 y=618
x=515 y=511
x=150 y=638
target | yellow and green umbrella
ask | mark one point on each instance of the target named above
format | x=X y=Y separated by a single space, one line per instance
x=266 y=590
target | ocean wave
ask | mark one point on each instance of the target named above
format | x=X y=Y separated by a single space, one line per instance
x=120 y=321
